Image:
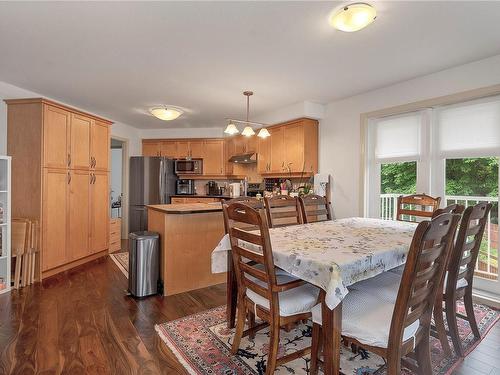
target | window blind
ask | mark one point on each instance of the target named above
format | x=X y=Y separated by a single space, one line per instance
x=397 y=137
x=469 y=126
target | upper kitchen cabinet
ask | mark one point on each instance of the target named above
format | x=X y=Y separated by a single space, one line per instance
x=169 y=149
x=213 y=161
x=197 y=149
x=56 y=135
x=79 y=153
x=189 y=149
x=291 y=148
x=99 y=146
x=151 y=148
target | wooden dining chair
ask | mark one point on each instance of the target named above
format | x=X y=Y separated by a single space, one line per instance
x=231 y=284
x=451 y=209
x=282 y=210
x=277 y=300
x=415 y=207
x=315 y=208
x=459 y=277
x=395 y=326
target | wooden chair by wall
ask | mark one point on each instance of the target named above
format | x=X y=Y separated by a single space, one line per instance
x=395 y=326
x=315 y=208
x=459 y=277
x=282 y=210
x=260 y=289
x=20 y=234
x=417 y=206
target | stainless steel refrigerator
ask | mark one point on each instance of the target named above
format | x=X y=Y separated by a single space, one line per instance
x=152 y=181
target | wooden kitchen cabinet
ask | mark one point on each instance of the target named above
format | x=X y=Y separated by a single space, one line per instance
x=99 y=146
x=78 y=215
x=56 y=134
x=197 y=149
x=183 y=150
x=169 y=149
x=80 y=142
x=264 y=155
x=115 y=234
x=277 y=158
x=213 y=161
x=56 y=150
x=151 y=148
x=55 y=222
x=99 y=212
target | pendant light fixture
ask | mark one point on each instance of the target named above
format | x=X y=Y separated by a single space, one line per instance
x=248 y=131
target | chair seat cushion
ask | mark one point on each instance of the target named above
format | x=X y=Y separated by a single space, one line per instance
x=398 y=270
x=384 y=286
x=294 y=301
x=367 y=318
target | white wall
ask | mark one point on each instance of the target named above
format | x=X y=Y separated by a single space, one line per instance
x=340 y=148
x=116 y=173
x=180 y=133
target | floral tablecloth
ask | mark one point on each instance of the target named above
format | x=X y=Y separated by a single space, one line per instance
x=334 y=254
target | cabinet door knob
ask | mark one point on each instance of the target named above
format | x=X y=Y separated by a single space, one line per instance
x=69 y=178
x=69 y=159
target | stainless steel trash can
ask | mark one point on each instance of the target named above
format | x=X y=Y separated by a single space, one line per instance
x=144 y=263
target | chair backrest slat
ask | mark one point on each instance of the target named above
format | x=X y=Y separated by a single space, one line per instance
x=315 y=208
x=282 y=210
x=412 y=207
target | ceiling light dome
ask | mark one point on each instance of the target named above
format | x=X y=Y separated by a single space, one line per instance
x=353 y=17
x=166 y=113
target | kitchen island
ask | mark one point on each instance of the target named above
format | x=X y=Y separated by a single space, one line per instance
x=188 y=234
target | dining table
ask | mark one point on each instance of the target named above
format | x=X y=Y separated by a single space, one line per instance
x=333 y=255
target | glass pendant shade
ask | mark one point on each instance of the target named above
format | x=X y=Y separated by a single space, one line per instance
x=248 y=131
x=231 y=129
x=263 y=133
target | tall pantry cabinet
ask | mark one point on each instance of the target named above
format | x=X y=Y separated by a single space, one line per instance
x=60 y=159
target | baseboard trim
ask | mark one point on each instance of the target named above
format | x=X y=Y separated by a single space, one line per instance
x=485 y=298
x=75 y=263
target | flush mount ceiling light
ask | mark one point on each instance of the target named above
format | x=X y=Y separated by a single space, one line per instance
x=248 y=131
x=353 y=17
x=166 y=113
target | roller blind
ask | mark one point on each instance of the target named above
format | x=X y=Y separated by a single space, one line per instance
x=470 y=126
x=397 y=137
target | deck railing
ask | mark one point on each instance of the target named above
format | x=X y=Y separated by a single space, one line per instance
x=487 y=265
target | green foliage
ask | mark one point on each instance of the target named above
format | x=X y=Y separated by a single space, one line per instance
x=398 y=178
x=472 y=176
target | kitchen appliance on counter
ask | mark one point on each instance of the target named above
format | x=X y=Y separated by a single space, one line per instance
x=234 y=189
x=189 y=166
x=185 y=187
x=152 y=181
x=213 y=188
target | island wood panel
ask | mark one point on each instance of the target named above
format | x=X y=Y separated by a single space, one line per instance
x=186 y=242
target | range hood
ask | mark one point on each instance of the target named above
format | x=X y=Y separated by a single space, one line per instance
x=248 y=158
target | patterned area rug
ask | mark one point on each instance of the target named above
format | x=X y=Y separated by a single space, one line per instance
x=121 y=260
x=202 y=344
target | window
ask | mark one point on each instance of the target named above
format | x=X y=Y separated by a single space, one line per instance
x=449 y=151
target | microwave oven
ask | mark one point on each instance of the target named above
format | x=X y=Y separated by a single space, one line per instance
x=189 y=166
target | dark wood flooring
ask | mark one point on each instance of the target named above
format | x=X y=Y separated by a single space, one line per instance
x=81 y=322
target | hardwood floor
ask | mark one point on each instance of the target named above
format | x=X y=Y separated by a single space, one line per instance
x=82 y=323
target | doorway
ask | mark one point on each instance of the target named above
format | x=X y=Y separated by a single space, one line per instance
x=118 y=186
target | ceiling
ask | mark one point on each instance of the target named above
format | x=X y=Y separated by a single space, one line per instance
x=118 y=59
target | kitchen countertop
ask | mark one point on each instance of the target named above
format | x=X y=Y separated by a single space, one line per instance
x=186 y=208
x=200 y=196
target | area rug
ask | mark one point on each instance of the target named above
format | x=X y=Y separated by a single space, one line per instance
x=121 y=260
x=202 y=343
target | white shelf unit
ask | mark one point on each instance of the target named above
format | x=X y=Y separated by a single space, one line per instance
x=5 y=221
